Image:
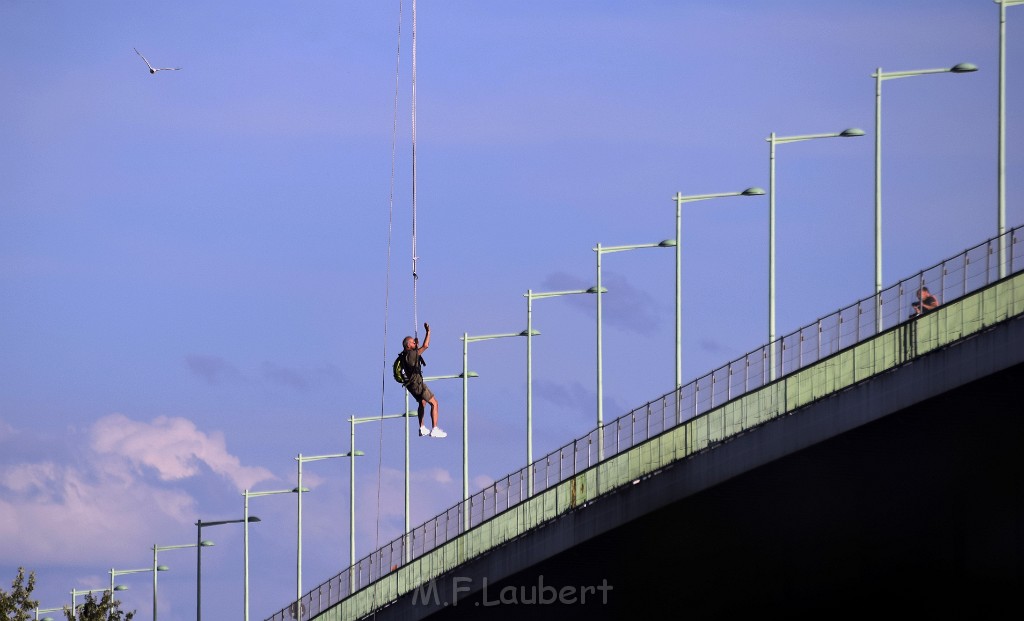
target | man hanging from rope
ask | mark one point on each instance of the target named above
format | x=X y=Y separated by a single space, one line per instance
x=412 y=360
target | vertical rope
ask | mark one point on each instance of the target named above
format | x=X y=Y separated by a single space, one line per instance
x=415 y=276
x=415 y=255
x=387 y=286
x=391 y=206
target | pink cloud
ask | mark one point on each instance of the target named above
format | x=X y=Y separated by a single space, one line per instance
x=173 y=447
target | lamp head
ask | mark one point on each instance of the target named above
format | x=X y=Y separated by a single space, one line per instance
x=668 y=243
x=752 y=192
x=253 y=518
x=963 y=68
x=205 y=543
x=162 y=568
x=853 y=131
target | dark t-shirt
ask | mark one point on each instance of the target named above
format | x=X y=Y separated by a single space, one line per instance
x=411 y=363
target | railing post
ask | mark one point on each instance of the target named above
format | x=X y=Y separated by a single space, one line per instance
x=1012 y=234
x=575 y=452
x=632 y=427
x=819 y=336
x=696 y=398
x=988 y=263
x=881 y=312
x=713 y=382
x=967 y=263
x=765 y=355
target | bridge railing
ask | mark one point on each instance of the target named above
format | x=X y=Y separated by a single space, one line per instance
x=948 y=280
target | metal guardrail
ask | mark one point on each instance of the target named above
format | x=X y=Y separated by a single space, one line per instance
x=948 y=280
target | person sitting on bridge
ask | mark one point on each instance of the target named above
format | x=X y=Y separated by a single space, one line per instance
x=926 y=302
x=411 y=362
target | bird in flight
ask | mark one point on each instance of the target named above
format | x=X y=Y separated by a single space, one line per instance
x=153 y=69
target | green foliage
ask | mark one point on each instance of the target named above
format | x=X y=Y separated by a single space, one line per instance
x=18 y=605
x=105 y=609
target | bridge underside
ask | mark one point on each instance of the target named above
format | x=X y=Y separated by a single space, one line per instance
x=918 y=510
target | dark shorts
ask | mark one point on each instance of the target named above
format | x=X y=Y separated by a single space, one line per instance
x=418 y=389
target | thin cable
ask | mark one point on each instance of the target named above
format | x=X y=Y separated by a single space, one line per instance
x=415 y=254
x=387 y=286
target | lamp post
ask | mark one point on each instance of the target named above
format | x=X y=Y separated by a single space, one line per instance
x=1002 y=131
x=879 y=78
x=114 y=573
x=299 y=461
x=121 y=572
x=600 y=251
x=351 y=480
x=468 y=374
x=75 y=593
x=772 y=141
x=199 y=556
x=680 y=199
x=245 y=520
x=530 y=297
x=156 y=568
x=45 y=610
x=466 y=340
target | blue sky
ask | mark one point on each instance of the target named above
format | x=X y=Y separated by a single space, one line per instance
x=195 y=277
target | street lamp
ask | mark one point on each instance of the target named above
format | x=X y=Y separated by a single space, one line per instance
x=879 y=78
x=353 y=421
x=530 y=297
x=45 y=610
x=466 y=340
x=199 y=556
x=75 y=593
x=467 y=375
x=121 y=572
x=300 y=460
x=156 y=568
x=247 y=495
x=1002 y=130
x=680 y=199
x=599 y=251
x=772 y=141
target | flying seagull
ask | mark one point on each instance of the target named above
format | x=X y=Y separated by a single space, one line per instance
x=153 y=69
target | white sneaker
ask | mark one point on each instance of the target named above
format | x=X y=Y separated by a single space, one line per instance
x=437 y=433
x=424 y=431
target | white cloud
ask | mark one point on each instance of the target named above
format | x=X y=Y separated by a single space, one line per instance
x=173 y=447
x=113 y=497
x=57 y=513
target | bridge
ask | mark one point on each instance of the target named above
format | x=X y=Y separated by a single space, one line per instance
x=868 y=461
